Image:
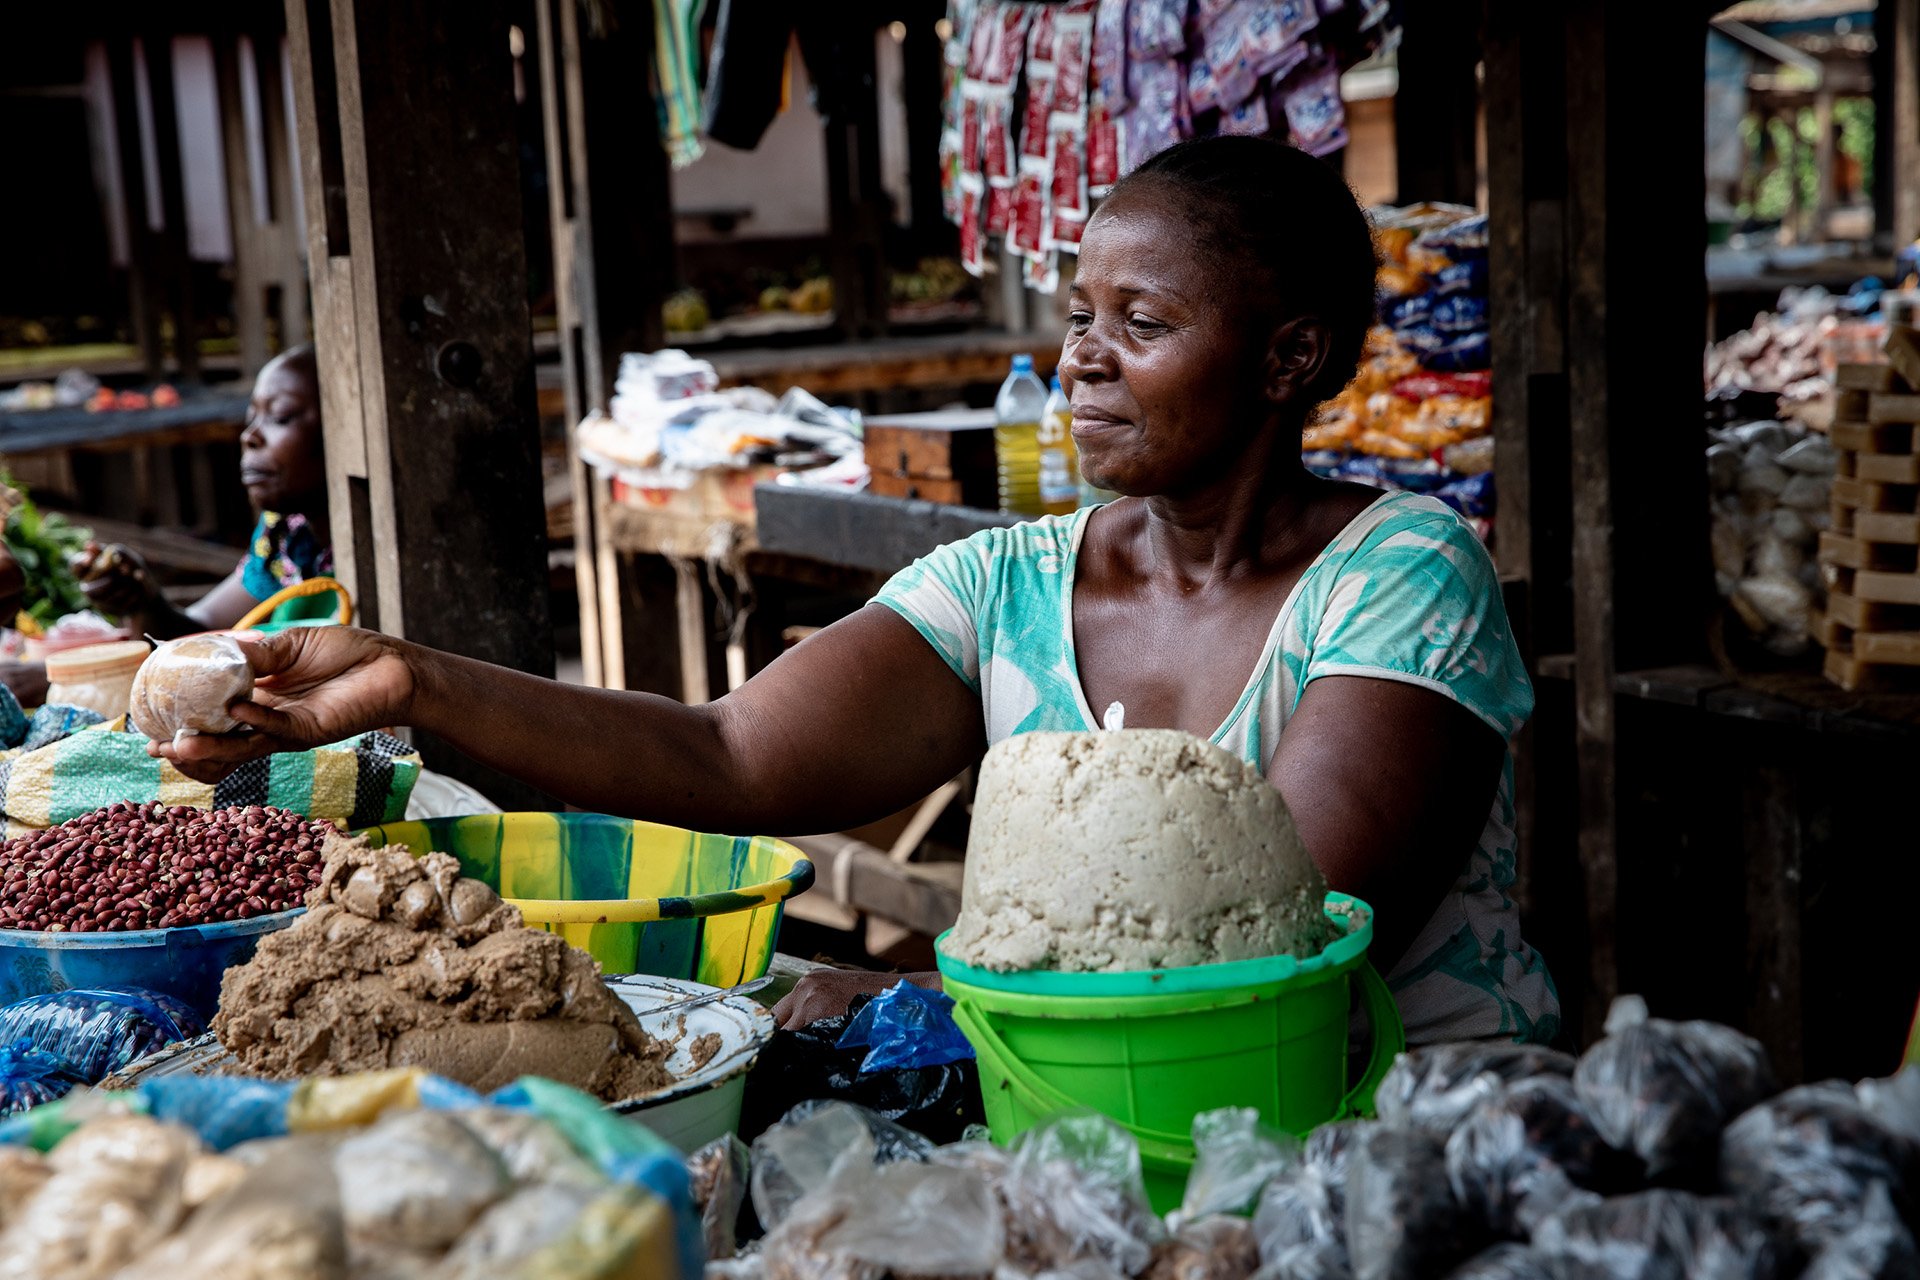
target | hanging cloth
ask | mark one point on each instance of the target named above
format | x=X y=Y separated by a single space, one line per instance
x=676 y=72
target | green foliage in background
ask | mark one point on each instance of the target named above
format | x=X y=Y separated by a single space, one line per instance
x=1783 y=156
x=42 y=544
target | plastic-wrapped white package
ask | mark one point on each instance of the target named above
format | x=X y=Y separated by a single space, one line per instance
x=416 y=1180
x=186 y=685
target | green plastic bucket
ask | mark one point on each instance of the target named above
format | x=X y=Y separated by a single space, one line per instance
x=1155 y=1048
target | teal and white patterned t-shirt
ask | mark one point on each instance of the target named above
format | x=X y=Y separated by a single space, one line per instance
x=1405 y=593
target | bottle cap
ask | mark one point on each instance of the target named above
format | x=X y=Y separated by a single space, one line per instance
x=1056 y=382
x=1023 y=364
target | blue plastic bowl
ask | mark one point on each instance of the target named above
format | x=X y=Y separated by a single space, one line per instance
x=185 y=963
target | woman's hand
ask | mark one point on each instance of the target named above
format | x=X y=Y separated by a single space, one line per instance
x=826 y=993
x=115 y=580
x=313 y=686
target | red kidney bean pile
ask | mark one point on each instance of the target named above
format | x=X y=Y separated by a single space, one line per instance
x=149 y=866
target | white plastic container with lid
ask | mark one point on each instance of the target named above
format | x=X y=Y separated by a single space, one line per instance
x=98 y=677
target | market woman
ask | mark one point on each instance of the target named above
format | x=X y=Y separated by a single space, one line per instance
x=1224 y=291
x=283 y=466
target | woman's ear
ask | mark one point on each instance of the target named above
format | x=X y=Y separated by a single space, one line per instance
x=1295 y=357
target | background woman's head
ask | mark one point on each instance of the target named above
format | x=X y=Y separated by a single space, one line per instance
x=1226 y=286
x=282 y=453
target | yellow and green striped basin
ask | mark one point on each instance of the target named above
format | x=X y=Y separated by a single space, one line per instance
x=637 y=896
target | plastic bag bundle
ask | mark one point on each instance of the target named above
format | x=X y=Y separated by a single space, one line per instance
x=1664 y=1090
x=1435 y=1087
x=1808 y=1159
x=1324 y=1261
x=186 y=685
x=1402 y=1220
x=906 y=1026
x=812 y=1143
x=1504 y=1262
x=1306 y=1205
x=30 y=1076
x=1520 y=1153
x=1234 y=1158
x=97 y=1031
x=1879 y=1247
x=1655 y=1235
x=1213 y=1248
x=1074 y=1194
x=719 y=1171
x=1895 y=1102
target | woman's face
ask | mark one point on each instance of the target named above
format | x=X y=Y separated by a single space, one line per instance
x=281 y=461
x=1163 y=362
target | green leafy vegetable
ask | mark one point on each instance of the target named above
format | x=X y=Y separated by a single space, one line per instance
x=43 y=544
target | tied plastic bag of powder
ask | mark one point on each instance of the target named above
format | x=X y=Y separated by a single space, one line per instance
x=416 y=1180
x=1807 y=1160
x=1433 y=1088
x=1880 y=1247
x=1213 y=1248
x=1324 y=1261
x=1075 y=1198
x=1895 y=1102
x=1655 y=1235
x=1504 y=1262
x=1520 y=1154
x=866 y=1221
x=1234 y=1158
x=1664 y=1090
x=816 y=1141
x=186 y=685
x=1306 y=1206
x=1403 y=1222
x=114 y=1189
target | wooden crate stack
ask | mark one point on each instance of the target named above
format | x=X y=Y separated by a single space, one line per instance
x=1871 y=556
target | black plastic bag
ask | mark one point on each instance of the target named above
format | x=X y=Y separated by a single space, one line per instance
x=1656 y=1235
x=1663 y=1091
x=1520 y=1153
x=1434 y=1087
x=807 y=1064
x=1879 y=1247
x=1402 y=1220
x=1807 y=1160
x=1504 y=1262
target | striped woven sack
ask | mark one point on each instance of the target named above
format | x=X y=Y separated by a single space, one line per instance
x=361 y=782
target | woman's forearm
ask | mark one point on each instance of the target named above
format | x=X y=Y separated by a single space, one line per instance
x=610 y=751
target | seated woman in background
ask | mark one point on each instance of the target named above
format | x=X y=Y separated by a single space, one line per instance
x=283 y=466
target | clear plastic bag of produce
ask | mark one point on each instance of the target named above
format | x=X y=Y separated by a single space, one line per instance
x=1880 y=1246
x=719 y=1172
x=1521 y=1152
x=906 y=1026
x=1220 y=1247
x=815 y=1140
x=1503 y=1262
x=1664 y=1090
x=1324 y=1261
x=99 y=1030
x=1656 y=1235
x=1434 y=1088
x=30 y=1076
x=1808 y=1159
x=1074 y=1194
x=1234 y=1158
x=1403 y=1222
x=1306 y=1205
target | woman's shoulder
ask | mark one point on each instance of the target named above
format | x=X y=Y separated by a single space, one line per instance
x=1410 y=529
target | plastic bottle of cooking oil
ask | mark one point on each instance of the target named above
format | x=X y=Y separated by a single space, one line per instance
x=1017 y=411
x=1059 y=463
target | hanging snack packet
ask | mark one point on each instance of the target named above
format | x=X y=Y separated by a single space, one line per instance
x=973 y=253
x=1156 y=30
x=999 y=211
x=1103 y=146
x=1250 y=117
x=1025 y=232
x=1159 y=115
x=1068 y=189
x=1316 y=114
x=996 y=136
x=1072 y=58
x=1108 y=64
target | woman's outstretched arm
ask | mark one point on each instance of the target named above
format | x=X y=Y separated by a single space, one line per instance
x=853 y=723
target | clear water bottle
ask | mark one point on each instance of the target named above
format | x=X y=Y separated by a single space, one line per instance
x=1059 y=463
x=1017 y=412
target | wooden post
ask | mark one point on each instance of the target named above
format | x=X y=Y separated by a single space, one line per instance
x=171 y=240
x=613 y=262
x=1822 y=162
x=1641 y=584
x=409 y=154
x=1902 y=22
x=142 y=269
x=1436 y=107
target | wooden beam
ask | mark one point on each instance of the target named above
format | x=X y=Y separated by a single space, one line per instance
x=1436 y=107
x=408 y=141
x=1901 y=19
